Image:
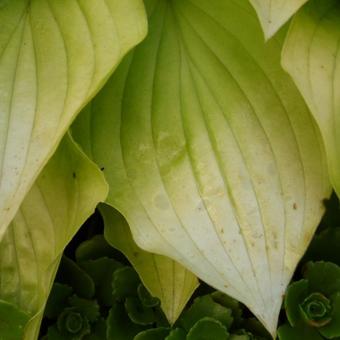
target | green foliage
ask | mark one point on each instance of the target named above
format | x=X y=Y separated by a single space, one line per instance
x=209 y=149
x=206 y=307
x=129 y=311
x=57 y=300
x=324 y=246
x=212 y=149
x=314 y=302
x=12 y=321
x=77 y=278
x=208 y=328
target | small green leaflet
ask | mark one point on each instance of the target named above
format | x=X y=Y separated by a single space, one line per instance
x=164 y=278
x=62 y=198
x=275 y=13
x=210 y=151
x=54 y=57
x=311 y=56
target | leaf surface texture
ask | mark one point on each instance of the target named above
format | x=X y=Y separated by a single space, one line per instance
x=62 y=198
x=163 y=277
x=210 y=151
x=273 y=14
x=54 y=57
x=311 y=56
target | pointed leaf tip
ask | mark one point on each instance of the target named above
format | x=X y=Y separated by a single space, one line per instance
x=210 y=151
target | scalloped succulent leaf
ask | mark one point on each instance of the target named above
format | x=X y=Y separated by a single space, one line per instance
x=71 y=274
x=146 y=298
x=57 y=300
x=98 y=331
x=119 y=325
x=163 y=277
x=205 y=306
x=153 y=334
x=177 y=334
x=138 y=313
x=286 y=332
x=208 y=328
x=332 y=329
x=295 y=294
x=88 y=308
x=93 y=249
x=101 y=270
x=125 y=282
x=323 y=277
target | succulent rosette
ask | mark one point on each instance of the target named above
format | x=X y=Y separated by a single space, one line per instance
x=313 y=304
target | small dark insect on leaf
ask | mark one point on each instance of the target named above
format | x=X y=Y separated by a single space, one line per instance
x=102 y=169
x=74 y=175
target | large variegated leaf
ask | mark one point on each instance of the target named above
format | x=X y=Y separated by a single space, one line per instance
x=54 y=56
x=64 y=195
x=210 y=152
x=311 y=56
x=163 y=277
x=275 y=13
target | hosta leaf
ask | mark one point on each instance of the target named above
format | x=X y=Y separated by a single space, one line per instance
x=210 y=151
x=275 y=13
x=64 y=195
x=54 y=56
x=165 y=279
x=311 y=56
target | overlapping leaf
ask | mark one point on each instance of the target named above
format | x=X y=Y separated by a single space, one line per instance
x=275 y=13
x=164 y=278
x=311 y=56
x=54 y=56
x=210 y=152
x=64 y=195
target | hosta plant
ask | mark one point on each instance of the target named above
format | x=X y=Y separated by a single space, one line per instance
x=212 y=127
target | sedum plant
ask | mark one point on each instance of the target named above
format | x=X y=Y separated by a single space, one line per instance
x=211 y=126
x=129 y=311
x=313 y=304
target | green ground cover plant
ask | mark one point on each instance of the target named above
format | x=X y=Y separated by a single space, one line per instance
x=97 y=286
x=205 y=133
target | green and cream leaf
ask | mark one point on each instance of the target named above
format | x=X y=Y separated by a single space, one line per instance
x=163 y=277
x=210 y=151
x=54 y=57
x=273 y=14
x=62 y=198
x=311 y=56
